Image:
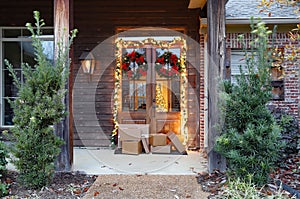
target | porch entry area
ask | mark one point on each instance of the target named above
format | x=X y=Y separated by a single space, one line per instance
x=151 y=84
x=104 y=161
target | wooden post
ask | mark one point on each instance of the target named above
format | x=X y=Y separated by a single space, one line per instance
x=71 y=132
x=61 y=35
x=216 y=64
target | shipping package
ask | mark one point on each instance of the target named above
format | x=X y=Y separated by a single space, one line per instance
x=158 y=139
x=176 y=142
x=161 y=149
x=133 y=147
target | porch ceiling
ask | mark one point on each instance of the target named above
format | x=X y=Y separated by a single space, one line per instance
x=197 y=3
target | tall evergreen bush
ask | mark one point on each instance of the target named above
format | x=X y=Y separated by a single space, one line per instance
x=38 y=107
x=250 y=138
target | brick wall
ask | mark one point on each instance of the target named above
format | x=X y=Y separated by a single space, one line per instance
x=202 y=91
x=291 y=88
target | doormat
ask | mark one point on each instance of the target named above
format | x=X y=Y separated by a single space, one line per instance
x=173 y=152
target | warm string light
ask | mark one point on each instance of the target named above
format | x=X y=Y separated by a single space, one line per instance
x=118 y=75
x=184 y=114
x=118 y=71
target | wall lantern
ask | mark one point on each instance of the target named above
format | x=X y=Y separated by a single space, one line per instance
x=87 y=61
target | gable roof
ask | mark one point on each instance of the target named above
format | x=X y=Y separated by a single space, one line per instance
x=244 y=9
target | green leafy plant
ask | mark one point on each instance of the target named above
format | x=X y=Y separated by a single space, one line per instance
x=38 y=107
x=246 y=189
x=289 y=131
x=3 y=163
x=250 y=138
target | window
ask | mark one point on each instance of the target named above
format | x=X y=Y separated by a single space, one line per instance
x=237 y=59
x=16 y=47
x=277 y=74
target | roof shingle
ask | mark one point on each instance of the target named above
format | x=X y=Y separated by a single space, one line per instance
x=244 y=9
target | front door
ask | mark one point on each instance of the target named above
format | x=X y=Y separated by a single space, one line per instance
x=151 y=84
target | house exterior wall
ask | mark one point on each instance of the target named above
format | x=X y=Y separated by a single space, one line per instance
x=291 y=88
x=99 y=20
x=18 y=13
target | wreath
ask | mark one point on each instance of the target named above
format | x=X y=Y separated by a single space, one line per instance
x=134 y=65
x=168 y=65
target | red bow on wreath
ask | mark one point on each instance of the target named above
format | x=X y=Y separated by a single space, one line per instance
x=168 y=65
x=134 y=65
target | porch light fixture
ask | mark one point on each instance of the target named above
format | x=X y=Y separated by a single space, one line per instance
x=87 y=62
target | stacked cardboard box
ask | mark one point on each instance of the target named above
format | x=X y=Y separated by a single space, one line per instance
x=134 y=138
x=132 y=132
x=159 y=144
x=130 y=138
x=133 y=147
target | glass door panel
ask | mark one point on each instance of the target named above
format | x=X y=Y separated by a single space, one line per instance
x=134 y=71
x=134 y=95
x=167 y=91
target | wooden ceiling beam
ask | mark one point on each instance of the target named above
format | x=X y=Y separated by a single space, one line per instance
x=197 y=4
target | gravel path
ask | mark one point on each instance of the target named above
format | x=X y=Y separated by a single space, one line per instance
x=145 y=187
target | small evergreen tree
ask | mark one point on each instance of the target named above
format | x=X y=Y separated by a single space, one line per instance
x=38 y=107
x=250 y=138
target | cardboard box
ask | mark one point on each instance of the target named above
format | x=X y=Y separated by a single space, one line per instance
x=133 y=147
x=176 y=142
x=161 y=149
x=145 y=145
x=158 y=139
x=130 y=134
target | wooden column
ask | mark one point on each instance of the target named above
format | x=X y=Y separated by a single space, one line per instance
x=71 y=132
x=216 y=64
x=61 y=35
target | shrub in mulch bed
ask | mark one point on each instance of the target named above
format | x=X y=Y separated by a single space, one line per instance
x=287 y=173
x=72 y=185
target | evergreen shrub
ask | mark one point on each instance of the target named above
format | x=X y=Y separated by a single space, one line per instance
x=38 y=107
x=250 y=138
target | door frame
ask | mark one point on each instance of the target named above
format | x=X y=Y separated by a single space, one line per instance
x=178 y=42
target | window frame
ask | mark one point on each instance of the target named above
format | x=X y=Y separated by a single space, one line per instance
x=20 y=38
x=275 y=83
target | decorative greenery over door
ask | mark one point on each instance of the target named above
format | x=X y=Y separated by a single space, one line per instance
x=151 y=84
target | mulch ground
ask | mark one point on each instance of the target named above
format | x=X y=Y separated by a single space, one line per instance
x=67 y=185
x=288 y=174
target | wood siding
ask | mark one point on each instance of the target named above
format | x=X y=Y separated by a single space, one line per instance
x=18 y=13
x=99 y=20
x=96 y=21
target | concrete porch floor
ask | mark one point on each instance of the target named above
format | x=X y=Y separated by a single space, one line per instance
x=105 y=161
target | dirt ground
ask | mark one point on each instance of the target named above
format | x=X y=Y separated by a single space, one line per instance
x=145 y=187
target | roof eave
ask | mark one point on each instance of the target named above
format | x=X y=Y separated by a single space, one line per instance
x=238 y=21
x=241 y=21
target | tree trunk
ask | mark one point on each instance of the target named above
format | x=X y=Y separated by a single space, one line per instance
x=216 y=66
x=61 y=35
